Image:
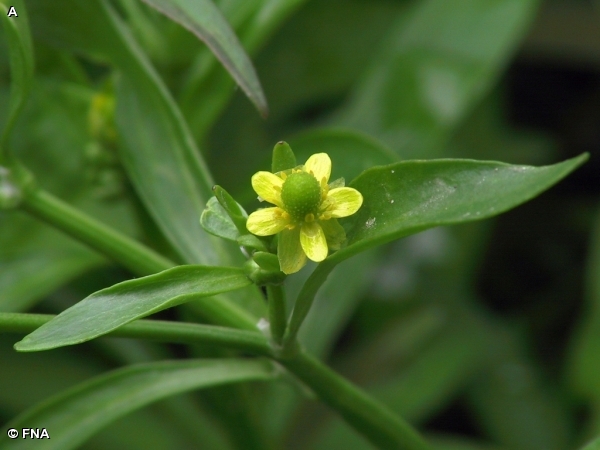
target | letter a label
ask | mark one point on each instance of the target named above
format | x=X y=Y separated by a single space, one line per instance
x=12 y=12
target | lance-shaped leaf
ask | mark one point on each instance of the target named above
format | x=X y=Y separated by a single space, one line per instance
x=76 y=414
x=407 y=197
x=205 y=20
x=411 y=196
x=21 y=62
x=110 y=308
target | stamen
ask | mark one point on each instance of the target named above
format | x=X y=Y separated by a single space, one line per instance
x=310 y=217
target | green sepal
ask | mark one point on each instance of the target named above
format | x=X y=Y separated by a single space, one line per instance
x=267 y=261
x=283 y=157
x=334 y=233
x=238 y=214
x=252 y=242
x=263 y=269
x=340 y=182
x=215 y=220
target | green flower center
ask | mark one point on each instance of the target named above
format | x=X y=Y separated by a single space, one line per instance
x=301 y=195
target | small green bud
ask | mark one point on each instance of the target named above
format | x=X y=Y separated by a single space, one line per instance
x=263 y=269
x=301 y=195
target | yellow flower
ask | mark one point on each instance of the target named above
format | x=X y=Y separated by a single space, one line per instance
x=305 y=213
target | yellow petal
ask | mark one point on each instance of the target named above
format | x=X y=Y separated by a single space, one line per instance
x=267 y=221
x=289 y=251
x=313 y=241
x=344 y=201
x=320 y=166
x=268 y=186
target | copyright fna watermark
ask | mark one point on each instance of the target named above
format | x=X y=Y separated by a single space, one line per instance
x=28 y=433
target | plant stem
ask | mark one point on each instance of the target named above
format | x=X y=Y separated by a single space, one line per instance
x=374 y=420
x=157 y=330
x=134 y=256
x=305 y=300
x=277 y=318
x=368 y=416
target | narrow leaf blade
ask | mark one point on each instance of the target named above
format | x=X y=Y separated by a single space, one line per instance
x=205 y=20
x=76 y=414
x=110 y=308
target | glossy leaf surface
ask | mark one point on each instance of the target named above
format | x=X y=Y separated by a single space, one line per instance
x=108 y=309
x=408 y=197
x=78 y=413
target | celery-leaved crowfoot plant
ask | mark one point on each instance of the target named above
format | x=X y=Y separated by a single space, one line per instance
x=209 y=279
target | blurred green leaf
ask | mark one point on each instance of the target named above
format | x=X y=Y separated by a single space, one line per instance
x=408 y=197
x=109 y=308
x=75 y=415
x=584 y=357
x=351 y=152
x=515 y=407
x=434 y=67
x=147 y=428
x=31 y=271
x=593 y=445
x=21 y=63
x=205 y=20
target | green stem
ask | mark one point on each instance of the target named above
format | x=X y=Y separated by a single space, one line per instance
x=157 y=330
x=277 y=316
x=136 y=257
x=374 y=420
x=305 y=300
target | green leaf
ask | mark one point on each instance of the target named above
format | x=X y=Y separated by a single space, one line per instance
x=593 y=445
x=109 y=308
x=433 y=68
x=29 y=274
x=205 y=20
x=408 y=197
x=584 y=364
x=21 y=63
x=216 y=221
x=76 y=414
